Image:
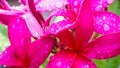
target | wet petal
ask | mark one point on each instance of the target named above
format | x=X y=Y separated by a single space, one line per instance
x=19 y=36
x=107 y=22
x=65 y=13
x=6 y=16
x=33 y=25
x=50 y=5
x=63 y=59
x=99 y=5
x=9 y=58
x=39 y=51
x=75 y=5
x=84 y=25
x=59 y=26
x=82 y=61
x=5 y=5
x=107 y=46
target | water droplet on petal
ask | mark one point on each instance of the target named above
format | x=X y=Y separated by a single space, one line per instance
x=75 y=3
x=104 y=17
x=106 y=27
x=109 y=1
x=59 y=64
x=86 y=66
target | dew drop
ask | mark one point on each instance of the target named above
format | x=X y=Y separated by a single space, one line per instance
x=109 y=1
x=104 y=17
x=106 y=27
x=75 y=3
x=59 y=64
x=86 y=66
x=98 y=7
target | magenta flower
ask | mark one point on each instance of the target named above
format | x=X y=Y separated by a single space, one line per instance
x=22 y=53
x=77 y=48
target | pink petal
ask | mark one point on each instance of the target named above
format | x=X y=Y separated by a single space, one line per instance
x=50 y=5
x=39 y=51
x=23 y=1
x=59 y=26
x=33 y=25
x=68 y=40
x=99 y=5
x=5 y=5
x=107 y=22
x=19 y=36
x=63 y=59
x=9 y=58
x=107 y=46
x=6 y=16
x=65 y=13
x=75 y=5
x=36 y=14
x=82 y=61
x=84 y=25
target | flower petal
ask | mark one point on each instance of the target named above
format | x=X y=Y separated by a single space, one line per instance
x=107 y=46
x=19 y=36
x=99 y=5
x=6 y=16
x=65 y=13
x=63 y=59
x=59 y=26
x=39 y=51
x=107 y=22
x=82 y=61
x=75 y=5
x=9 y=58
x=50 y=5
x=84 y=25
x=33 y=25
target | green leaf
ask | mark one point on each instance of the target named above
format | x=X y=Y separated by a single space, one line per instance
x=109 y=63
x=115 y=7
x=4 y=42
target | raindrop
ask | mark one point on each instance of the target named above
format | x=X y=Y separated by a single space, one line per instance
x=104 y=17
x=100 y=20
x=106 y=27
x=75 y=3
x=59 y=64
x=86 y=66
x=109 y=1
x=98 y=7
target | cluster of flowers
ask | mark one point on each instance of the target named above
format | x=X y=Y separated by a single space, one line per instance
x=73 y=40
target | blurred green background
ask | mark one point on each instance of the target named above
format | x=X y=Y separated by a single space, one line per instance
x=109 y=63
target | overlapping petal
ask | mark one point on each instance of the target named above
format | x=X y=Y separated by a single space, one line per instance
x=19 y=36
x=75 y=5
x=59 y=26
x=9 y=58
x=6 y=15
x=107 y=22
x=104 y=47
x=63 y=59
x=33 y=25
x=84 y=25
x=39 y=51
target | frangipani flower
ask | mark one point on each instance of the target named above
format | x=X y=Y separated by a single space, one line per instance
x=22 y=53
x=78 y=50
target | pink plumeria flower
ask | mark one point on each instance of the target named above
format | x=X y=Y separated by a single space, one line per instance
x=78 y=51
x=35 y=19
x=22 y=53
